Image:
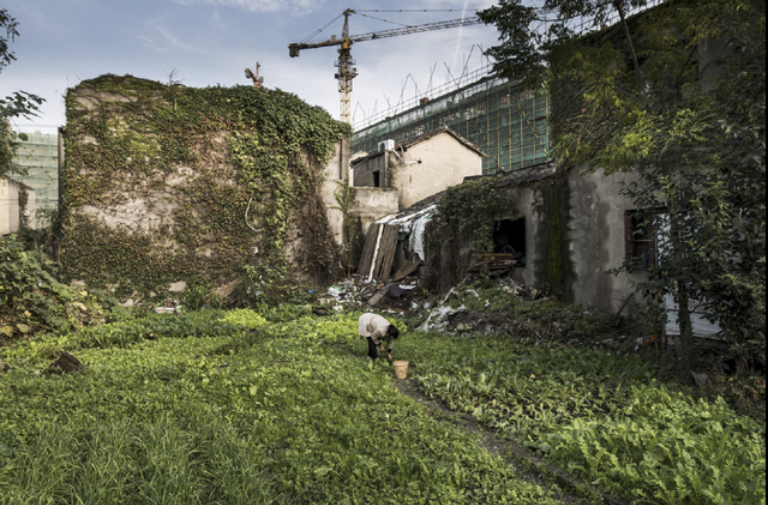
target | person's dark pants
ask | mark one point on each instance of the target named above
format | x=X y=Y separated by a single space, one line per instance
x=372 y=349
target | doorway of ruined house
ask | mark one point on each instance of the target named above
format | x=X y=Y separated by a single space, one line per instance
x=509 y=236
x=376 y=179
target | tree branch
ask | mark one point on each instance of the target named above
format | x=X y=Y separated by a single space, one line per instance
x=638 y=74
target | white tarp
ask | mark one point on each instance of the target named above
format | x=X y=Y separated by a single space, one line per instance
x=416 y=240
x=414 y=225
x=700 y=326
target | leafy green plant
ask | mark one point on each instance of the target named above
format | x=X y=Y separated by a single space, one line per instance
x=281 y=420
x=32 y=300
x=608 y=420
x=268 y=145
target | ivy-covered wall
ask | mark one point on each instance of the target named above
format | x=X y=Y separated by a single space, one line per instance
x=158 y=180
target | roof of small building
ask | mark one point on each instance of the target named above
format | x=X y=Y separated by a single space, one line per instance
x=533 y=173
x=421 y=138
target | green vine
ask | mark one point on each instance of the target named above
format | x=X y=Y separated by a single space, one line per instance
x=183 y=164
x=463 y=229
x=554 y=257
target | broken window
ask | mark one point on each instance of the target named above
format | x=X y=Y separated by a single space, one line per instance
x=509 y=238
x=376 y=179
x=641 y=237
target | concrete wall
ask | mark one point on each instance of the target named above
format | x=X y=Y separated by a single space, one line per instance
x=335 y=175
x=596 y=239
x=445 y=162
x=11 y=214
x=370 y=204
x=364 y=171
x=591 y=212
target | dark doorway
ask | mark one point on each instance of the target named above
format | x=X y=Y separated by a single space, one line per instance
x=376 y=179
x=509 y=236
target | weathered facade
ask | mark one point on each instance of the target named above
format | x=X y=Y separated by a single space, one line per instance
x=571 y=227
x=17 y=206
x=420 y=167
x=167 y=185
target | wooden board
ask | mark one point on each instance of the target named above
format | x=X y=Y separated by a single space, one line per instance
x=386 y=255
x=408 y=268
x=366 y=255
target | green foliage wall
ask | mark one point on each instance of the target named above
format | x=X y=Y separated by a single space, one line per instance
x=463 y=229
x=158 y=179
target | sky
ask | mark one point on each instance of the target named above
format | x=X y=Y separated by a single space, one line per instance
x=211 y=42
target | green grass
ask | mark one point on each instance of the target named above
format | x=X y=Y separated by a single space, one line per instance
x=240 y=407
x=257 y=413
x=608 y=419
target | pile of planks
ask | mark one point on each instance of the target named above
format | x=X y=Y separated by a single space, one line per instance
x=378 y=252
x=497 y=264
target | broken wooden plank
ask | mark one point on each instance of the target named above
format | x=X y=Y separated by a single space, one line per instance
x=501 y=256
x=387 y=248
x=408 y=268
x=366 y=255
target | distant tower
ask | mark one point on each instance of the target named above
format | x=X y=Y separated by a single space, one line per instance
x=258 y=82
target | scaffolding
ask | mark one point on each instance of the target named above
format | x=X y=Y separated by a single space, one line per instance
x=509 y=124
x=39 y=155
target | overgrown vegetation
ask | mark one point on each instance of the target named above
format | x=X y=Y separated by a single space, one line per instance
x=676 y=95
x=462 y=229
x=33 y=301
x=175 y=169
x=248 y=407
x=229 y=418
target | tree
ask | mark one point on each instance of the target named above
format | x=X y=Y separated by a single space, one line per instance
x=20 y=103
x=677 y=95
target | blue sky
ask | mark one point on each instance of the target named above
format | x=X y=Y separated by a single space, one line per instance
x=211 y=42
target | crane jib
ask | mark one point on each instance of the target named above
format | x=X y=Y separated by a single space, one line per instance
x=345 y=63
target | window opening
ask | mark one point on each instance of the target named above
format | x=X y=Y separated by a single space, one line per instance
x=376 y=179
x=509 y=238
x=641 y=237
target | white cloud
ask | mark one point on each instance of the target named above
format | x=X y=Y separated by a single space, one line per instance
x=163 y=40
x=295 y=6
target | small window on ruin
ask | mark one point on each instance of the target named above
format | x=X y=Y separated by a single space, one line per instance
x=640 y=228
x=376 y=179
x=509 y=238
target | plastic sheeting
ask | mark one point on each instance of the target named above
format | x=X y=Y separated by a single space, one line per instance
x=701 y=327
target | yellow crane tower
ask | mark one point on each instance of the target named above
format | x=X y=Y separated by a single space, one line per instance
x=345 y=64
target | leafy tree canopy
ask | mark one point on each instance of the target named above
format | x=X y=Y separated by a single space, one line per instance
x=677 y=95
x=19 y=103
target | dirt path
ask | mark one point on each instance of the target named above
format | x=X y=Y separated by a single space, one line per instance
x=528 y=466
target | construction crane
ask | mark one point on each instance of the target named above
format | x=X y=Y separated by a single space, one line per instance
x=257 y=80
x=345 y=64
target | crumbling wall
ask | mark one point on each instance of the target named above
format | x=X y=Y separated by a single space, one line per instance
x=17 y=206
x=158 y=180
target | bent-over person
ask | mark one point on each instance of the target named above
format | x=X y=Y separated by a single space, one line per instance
x=375 y=329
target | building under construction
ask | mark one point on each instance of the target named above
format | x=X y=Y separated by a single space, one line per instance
x=510 y=125
x=39 y=155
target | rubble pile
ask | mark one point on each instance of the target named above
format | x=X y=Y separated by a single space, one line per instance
x=358 y=291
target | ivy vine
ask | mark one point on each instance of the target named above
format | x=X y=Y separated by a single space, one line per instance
x=463 y=229
x=192 y=159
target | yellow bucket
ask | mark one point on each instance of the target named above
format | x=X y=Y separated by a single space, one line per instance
x=401 y=369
